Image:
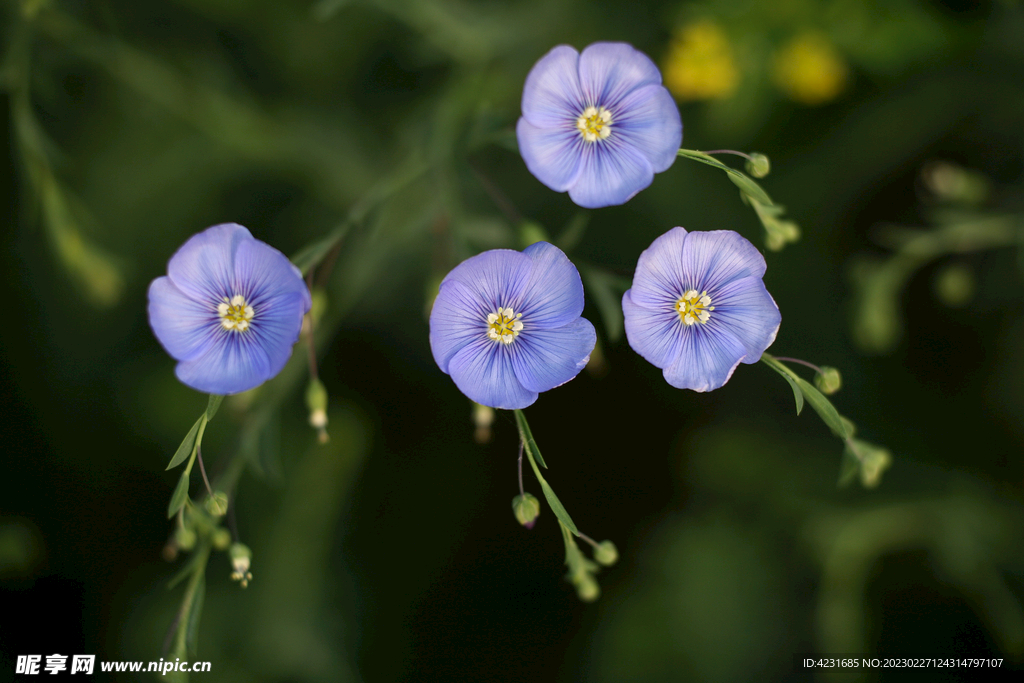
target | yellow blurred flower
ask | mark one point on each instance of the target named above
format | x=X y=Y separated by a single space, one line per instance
x=700 y=64
x=809 y=69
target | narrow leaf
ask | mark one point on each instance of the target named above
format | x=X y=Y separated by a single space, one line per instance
x=749 y=187
x=211 y=407
x=823 y=407
x=179 y=496
x=779 y=368
x=556 y=507
x=527 y=437
x=194 y=613
x=187 y=446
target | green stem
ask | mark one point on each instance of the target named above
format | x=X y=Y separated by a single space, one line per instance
x=184 y=613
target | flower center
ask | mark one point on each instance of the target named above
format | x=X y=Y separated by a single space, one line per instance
x=235 y=314
x=693 y=307
x=504 y=326
x=595 y=123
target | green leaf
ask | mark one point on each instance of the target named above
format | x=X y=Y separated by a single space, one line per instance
x=782 y=370
x=195 y=611
x=556 y=507
x=750 y=188
x=823 y=407
x=179 y=496
x=741 y=180
x=188 y=445
x=527 y=436
x=211 y=407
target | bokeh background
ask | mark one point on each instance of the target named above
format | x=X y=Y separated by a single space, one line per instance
x=896 y=135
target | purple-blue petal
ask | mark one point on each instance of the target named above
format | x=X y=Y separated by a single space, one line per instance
x=654 y=334
x=210 y=268
x=551 y=153
x=659 y=279
x=611 y=172
x=482 y=370
x=553 y=294
x=648 y=119
x=456 y=319
x=184 y=327
x=546 y=358
x=203 y=268
x=749 y=312
x=234 y=363
x=706 y=360
x=552 y=95
x=263 y=272
x=610 y=71
x=496 y=277
x=713 y=259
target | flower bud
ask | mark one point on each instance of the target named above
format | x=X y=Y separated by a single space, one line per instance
x=758 y=165
x=217 y=505
x=483 y=418
x=587 y=588
x=955 y=286
x=185 y=538
x=606 y=553
x=221 y=539
x=874 y=461
x=526 y=509
x=316 y=401
x=240 y=561
x=828 y=380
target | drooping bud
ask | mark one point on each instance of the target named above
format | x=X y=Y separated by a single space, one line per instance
x=758 y=165
x=828 y=381
x=185 y=538
x=526 y=509
x=874 y=461
x=240 y=561
x=221 y=539
x=606 y=553
x=316 y=401
x=587 y=588
x=217 y=505
x=955 y=286
x=483 y=418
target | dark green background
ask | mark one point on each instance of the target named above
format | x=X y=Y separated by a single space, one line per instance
x=391 y=554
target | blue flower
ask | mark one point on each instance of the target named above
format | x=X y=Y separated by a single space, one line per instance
x=506 y=325
x=229 y=310
x=599 y=124
x=698 y=307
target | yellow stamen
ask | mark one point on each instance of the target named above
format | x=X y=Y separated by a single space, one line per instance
x=693 y=307
x=504 y=326
x=595 y=123
x=235 y=314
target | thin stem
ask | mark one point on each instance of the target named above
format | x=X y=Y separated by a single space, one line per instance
x=588 y=539
x=180 y=641
x=202 y=469
x=812 y=366
x=521 y=491
x=730 y=151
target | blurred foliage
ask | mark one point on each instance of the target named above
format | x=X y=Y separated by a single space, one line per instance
x=372 y=141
